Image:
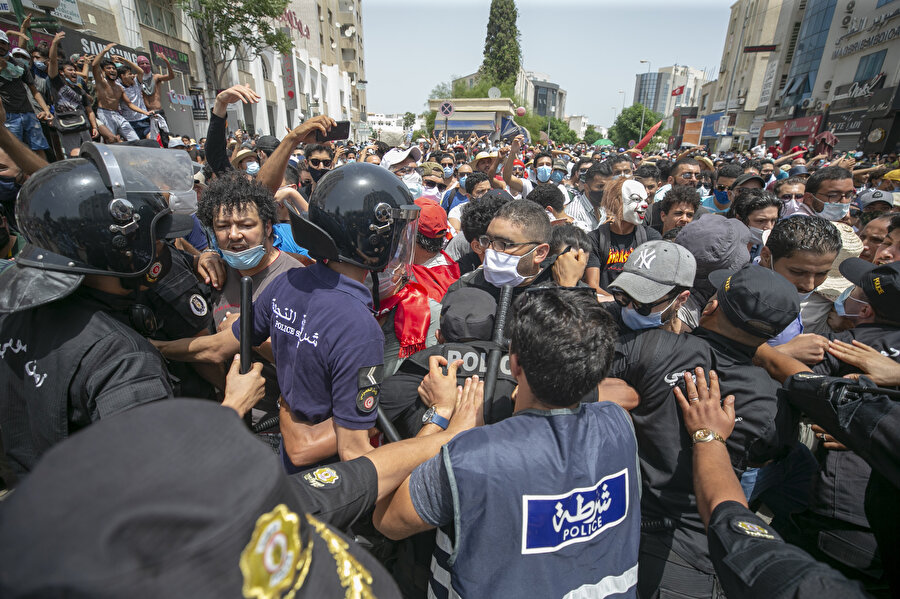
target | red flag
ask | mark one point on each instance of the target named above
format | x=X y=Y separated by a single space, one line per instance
x=646 y=139
x=678 y=90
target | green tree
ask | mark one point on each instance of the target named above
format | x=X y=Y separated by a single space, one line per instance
x=441 y=91
x=591 y=135
x=409 y=119
x=628 y=124
x=429 y=116
x=502 y=53
x=228 y=30
x=559 y=129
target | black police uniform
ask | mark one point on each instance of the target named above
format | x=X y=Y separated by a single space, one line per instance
x=752 y=561
x=835 y=527
x=653 y=362
x=66 y=364
x=399 y=393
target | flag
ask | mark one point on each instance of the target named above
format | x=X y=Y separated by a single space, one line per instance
x=646 y=139
x=678 y=90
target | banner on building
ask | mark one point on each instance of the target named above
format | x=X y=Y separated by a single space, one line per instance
x=76 y=42
x=289 y=82
x=692 y=131
x=199 y=105
x=178 y=59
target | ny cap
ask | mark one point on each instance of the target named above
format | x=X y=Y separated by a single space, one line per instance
x=757 y=300
x=880 y=283
x=654 y=269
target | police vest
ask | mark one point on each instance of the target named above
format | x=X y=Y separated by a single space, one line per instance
x=548 y=506
x=474 y=362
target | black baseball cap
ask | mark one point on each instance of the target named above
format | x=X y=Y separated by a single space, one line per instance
x=756 y=300
x=267 y=143
x=880 y=283
x=748 y=177
x=467 y=314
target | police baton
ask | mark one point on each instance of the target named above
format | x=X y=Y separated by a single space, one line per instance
x=493 y=360
x=246 y=322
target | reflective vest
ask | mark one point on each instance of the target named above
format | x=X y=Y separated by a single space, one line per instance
x=546 y=505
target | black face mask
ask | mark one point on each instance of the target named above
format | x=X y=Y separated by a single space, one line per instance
x=595 y=197
x=317 y=173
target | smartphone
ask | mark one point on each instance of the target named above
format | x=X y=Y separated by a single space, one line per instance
x=340 y=131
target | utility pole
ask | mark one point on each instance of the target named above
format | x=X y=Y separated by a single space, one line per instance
x=643 y=105
x=738 y=51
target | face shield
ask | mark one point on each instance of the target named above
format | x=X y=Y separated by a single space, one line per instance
x=399 y=268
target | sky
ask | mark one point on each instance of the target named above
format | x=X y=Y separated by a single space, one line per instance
x=590 y=48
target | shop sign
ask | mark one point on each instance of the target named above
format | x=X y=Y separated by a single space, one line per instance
x=846 y=122
x=180 y=99
x=808 y=125
x=866 y=43
x=198 y=105
x=880 y=102
x=76 y=42
x=179 y=59
x=291 y=19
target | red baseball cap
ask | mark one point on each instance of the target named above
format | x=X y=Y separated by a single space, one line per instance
x=432 y=218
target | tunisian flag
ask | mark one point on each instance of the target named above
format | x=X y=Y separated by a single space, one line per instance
x=678 y=90
x=646 y=139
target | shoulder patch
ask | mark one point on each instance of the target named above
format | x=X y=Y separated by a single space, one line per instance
x=751 y=530
x=322 y=476
x=198 y=305
x=369 y=376
x=367 y=399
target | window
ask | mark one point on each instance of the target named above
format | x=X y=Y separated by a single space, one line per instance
x=265 y=69
x=159 y=15
x=869 y=66
x=881 y=3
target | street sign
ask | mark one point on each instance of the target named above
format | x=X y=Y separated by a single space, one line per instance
x=446 y=109
x=753 y=49
x=631 y=143
x=494 y=93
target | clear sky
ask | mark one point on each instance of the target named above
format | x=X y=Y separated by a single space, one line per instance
x=591 y=48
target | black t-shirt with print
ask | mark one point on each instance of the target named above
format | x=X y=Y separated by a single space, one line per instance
x=13 y=92
x=620 y=247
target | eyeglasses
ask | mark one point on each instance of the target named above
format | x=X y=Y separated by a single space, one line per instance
x=442 y=187
x=696 y=176
x=791 y=196
x=501 y=245
x=837 y=196
x=407 y=170
x=315 y=162
x=623 y=299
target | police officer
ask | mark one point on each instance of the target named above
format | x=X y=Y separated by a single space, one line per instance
x=207 y=509
x=749 y=306
x=750 y=558
x=327 y=348
x=467 y=323
x=544 y=503
x=94 y=226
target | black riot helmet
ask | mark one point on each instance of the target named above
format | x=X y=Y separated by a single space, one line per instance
x=103 y=212
x=360 y=214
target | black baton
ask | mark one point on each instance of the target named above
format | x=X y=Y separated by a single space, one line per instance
x=387 y=427
x=493 y=360
x=246 y=322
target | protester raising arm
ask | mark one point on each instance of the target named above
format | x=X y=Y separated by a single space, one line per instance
x=216 y=151
x=271 y=174
x=515 y=184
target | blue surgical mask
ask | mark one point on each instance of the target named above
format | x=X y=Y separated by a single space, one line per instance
x=246 y=259
x=41 y=66
x=543 y=173
x=252 y=168
x=834 y=211
x=462 y=182
x=448 y=172
x=842 y=298
x=722 y=196
x=556 y=177
x=638 y=322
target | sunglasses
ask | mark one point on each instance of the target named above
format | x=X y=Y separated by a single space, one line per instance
x=696 y=176
x=315 y=162
x=442 y=187
x=623 y=299
x=447 y=165
x=724 y=188
x=791 y=196
x=407 y=170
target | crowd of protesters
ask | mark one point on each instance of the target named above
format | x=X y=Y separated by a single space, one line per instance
x=634 y=437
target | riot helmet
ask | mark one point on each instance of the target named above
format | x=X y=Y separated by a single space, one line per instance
x=102 y=213
x=363 y=215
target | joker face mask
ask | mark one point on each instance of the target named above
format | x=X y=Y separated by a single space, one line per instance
x=634 y=202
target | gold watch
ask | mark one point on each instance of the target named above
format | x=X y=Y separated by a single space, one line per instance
x=705 y=435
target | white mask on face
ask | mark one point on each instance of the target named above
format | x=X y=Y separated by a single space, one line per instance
x=634 y=202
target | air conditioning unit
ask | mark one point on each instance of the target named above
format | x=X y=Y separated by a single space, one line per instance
x=806 y=103
x=827 y=84
x=820 y=104
x=845 y=22
x=851 y=5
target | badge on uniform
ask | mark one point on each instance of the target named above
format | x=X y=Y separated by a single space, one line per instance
x=154 y=272
x=751 y=530
x=275 y=560
x=368 y=380
x=322 y=476
x=198 y=305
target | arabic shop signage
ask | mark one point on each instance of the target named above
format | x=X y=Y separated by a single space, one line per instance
x=866 y=43
x=857 y=25
x=178 y=59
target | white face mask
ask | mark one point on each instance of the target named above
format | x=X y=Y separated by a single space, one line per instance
x=503 y=269
x=432 y=193
x=634 y=202
x=756 y=235
x=413 y=182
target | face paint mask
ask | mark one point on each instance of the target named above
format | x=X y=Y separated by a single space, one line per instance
x=556 y=177
x=462 y=182
x=756 y=236
x=317 y=173
x=721 y=197
x=448 y=172
x=245 y=259
x=834 y=211
x=634 y=202
x=413 y=182
x=503 y=269
x=252 y=168
x=543 y=173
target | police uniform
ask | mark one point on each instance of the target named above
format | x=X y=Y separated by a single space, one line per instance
x=542 y=504
x=66 y=364
x=674 y=553
x=207 y=509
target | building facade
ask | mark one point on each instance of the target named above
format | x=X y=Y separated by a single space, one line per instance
x=540 y=95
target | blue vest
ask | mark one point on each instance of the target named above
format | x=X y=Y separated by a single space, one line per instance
x=546 y=503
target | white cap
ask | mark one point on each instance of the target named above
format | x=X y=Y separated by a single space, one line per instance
x=396 y=156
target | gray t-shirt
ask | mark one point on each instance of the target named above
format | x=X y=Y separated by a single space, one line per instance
x=229 y=300
x=430 y=492
x=134 y=94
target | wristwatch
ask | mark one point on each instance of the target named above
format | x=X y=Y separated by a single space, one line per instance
x=433 y=417
x=705 y=435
